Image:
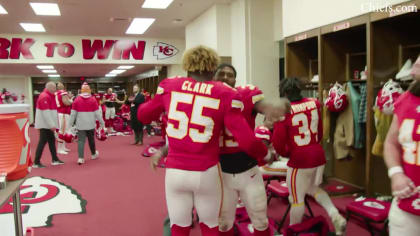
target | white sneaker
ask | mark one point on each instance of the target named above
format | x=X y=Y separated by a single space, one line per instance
x=80 y=161
x=96 y=155
x=405 y=71
x=339 y=224
x=62 y=152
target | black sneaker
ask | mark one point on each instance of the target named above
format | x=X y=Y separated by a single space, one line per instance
x=38 y=165
x=57 y=162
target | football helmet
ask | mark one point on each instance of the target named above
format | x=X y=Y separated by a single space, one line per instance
x=387 y=96
x=337 y=99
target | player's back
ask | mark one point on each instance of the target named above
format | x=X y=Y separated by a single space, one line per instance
x=250 y=95
x=195 y=119
x=304 y=126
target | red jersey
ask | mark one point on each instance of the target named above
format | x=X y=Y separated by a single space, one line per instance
x=111 y=99
x=249 y=95
x=98 y=97
x=61 y=107
x=197 y=113
x=299 y=134
x=407 y=110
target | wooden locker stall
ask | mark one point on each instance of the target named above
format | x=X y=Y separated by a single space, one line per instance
x=343 y=51
x=394 y=39
x=302 y=55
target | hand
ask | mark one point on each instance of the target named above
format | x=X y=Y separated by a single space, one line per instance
x=273 y=158
x=402 y=186
x=154 y=160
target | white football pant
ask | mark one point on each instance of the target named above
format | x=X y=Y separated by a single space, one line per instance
x=306 y=181
x=249 y=187
x=63 y=127
x=109 y=113
x=199 y=189
x=402 y=223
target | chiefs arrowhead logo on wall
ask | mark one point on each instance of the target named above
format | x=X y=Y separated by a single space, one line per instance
x=164 y=50
x=41 y=199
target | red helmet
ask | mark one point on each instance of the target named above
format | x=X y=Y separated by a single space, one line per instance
x=263 y=133
x=387 y=96
x=101 y=135
x=67 y=137
x=337 y=99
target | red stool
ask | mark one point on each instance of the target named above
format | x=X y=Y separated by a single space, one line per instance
x=269 y=178
x=280 y=190
x=370 y=211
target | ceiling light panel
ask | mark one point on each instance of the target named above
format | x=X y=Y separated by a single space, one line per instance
x=54 y=76
x=49 y=71
x=45 y=9
x=157 y=4
x=2 y=10
x=32 y=27
x=124 y=67
x=117 y=71
x=139 y=25
x=45 y=67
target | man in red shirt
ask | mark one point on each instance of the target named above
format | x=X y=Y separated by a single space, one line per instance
x=63 y=108
x=241 y=176
x=198 y=109
x=402 y=157
x=296 y=136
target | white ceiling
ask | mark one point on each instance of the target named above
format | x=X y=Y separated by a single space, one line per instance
x=71 y=70
x=92 y=17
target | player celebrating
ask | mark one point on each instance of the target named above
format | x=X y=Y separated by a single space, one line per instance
x=64 y=102
x=197 y=110
x=297 y=135
x=402 y=157
x=110 y=100
x=241 y=176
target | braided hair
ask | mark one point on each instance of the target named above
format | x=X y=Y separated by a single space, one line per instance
x=291 y=88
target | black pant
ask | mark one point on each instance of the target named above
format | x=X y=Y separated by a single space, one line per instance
x=82 y=134
x=138 y=135
x=45 y=135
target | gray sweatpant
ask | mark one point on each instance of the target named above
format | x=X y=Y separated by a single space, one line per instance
x=82 y=134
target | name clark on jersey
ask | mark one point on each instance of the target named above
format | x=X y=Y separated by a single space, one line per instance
x=202 y=88
x=304 y=107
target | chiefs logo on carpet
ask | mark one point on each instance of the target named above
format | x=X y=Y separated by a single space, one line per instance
x=41 y=199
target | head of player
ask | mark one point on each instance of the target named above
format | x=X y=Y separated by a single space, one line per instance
x=226 y=73
x=109 y=91
x=200 y=63
x=291 y=88
x=60 y=86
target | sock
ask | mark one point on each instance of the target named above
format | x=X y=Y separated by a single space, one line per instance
x=296 y=213
x=325 y=201
x=180 y=231
x=227 y=233
x=265 y=232
x=206 y=231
